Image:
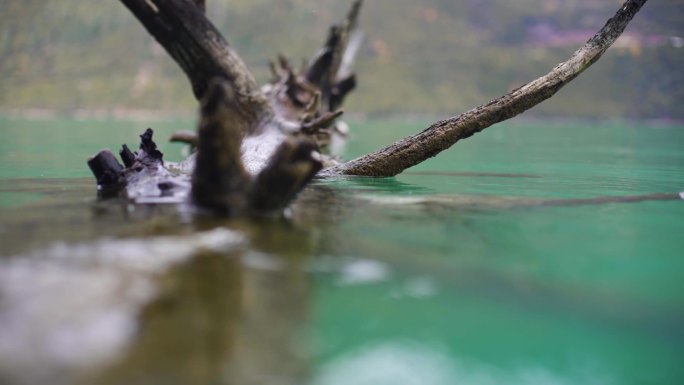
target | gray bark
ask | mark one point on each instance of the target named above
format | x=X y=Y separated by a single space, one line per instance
x=181 y=27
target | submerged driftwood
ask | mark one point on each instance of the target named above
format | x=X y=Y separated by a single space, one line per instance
x=258 y=147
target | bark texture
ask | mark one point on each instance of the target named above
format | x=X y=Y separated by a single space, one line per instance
x=181 y=27
x=415 y=149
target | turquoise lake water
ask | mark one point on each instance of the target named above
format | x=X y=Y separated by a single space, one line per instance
x=489 y=264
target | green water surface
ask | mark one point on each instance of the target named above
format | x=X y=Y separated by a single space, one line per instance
x=451 y=273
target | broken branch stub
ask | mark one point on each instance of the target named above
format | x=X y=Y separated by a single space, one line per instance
x=106 y=169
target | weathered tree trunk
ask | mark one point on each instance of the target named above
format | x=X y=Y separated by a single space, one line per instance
x=257 y=147
x=181 y=27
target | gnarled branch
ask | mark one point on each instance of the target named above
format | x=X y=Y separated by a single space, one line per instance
x=413 y=150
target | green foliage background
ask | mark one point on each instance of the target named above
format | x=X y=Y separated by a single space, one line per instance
x=419 y=57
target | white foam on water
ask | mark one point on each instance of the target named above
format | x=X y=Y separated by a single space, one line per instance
x=363 y=271
x=394 y=363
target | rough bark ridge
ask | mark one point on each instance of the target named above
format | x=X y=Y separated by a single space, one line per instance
x=181 y=27
x=413 y=150
x=257 y=147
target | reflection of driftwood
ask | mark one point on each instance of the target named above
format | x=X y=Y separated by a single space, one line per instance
x=258 y=147
x=188 y=332
x=493 y=202
x=325 y=202
x=218 y=318
x=203 y=307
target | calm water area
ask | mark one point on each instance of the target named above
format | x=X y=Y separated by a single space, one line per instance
x=508 y=259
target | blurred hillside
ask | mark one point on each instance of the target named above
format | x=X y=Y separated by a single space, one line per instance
x=419 y=57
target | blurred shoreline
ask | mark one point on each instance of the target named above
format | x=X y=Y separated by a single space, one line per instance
x=137 y=114
x=96 y=114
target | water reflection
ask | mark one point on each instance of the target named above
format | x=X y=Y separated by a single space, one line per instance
x=72 y=307
x=363 y=272
x=170 y=300
x=397 y=285
x=188 y=333
x=233 y=319
x=194 y=309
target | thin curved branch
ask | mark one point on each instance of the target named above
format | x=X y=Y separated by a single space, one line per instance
x=181 y=27
x=413 y=150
